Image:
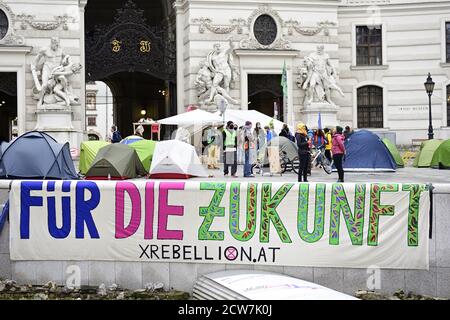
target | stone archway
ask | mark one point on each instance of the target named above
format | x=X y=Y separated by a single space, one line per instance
x=131 y=47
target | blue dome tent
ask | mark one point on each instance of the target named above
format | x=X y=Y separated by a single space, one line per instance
x=36 y=155
x=367 y=152
x=3 y=146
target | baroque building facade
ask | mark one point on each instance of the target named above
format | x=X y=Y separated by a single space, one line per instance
x=360 y=63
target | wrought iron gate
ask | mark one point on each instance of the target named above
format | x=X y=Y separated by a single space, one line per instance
x=130 y=44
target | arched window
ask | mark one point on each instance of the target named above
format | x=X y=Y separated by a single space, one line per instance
x=4 y=24
x=370 y=107
x=448 y=106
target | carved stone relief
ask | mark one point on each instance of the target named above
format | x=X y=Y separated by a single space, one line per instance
x=59 y=21
x=294 y=25
x=10 y=39
x=282 y=28
x=206 y=24
x=252 y=42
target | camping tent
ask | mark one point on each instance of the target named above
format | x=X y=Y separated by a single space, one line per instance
x=145 y=150
x=394 y=152
x=366 y=152
x=441 y=158
x=116 y=161
x=241 y=116
x=192 y=118
x=131 y=139
x=88 y=152
x=174 y=159
x=36 y=155
x=3 y=146
x=427 y=150
x=284 y=144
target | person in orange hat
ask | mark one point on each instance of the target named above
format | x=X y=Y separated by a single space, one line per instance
x=301 y=136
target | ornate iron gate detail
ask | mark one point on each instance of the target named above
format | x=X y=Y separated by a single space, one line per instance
x=130 y=44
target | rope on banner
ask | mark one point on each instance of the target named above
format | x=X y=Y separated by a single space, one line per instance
x=4 y=215
x=431 y=188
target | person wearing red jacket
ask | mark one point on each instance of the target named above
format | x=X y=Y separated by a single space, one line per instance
x=338 y=151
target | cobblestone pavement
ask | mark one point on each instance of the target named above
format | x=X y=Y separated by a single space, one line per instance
x=405 y=175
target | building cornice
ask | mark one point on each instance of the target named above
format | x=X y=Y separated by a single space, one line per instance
x=279 y=3
x=278 y=53
x=420 y=7
x=15 y=49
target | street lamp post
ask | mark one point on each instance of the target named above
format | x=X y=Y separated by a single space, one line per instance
x=429 y=87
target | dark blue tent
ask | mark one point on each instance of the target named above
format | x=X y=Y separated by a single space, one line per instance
x=36 y=155
x=367 y=152
x=3 y=146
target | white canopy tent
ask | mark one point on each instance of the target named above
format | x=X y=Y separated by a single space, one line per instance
x=241 y=116
x=191 y=125
x=191 y=118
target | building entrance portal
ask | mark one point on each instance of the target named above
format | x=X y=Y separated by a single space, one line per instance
x=8 y=106
x=137 y=95
x=265 y=95
x=131 y=47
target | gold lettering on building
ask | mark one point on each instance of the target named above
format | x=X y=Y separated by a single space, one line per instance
x=116 y=45
x=146 y=46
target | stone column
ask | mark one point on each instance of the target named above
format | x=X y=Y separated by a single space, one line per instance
x=180 y=8
x=82 y=6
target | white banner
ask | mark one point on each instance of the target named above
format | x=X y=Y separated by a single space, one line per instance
x=283 y=224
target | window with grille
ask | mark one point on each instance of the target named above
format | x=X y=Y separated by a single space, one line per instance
x=369 y=49
x=92 y=121
x=91 y=101
x=447 y=40
x=370 y=107
x=4 y=24
x=448 y=106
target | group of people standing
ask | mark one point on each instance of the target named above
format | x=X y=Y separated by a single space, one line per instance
x=332 y=141
x=241 y=145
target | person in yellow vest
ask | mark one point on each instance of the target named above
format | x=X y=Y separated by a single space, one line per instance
x=230 y=149
x=328 y=144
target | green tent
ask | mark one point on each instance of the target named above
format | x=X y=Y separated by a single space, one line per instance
x=88 y=151
x=441 y=158
x=427 y=150
x=116 y=161
x=394 y=152
x=144 y=149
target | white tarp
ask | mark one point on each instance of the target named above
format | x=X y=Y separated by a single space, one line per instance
x=260 y=285
x=280 y=224
x=176 y=157
x=190 y=118
x=241 y=116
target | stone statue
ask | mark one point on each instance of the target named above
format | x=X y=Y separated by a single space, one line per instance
x=52 y=74
x=215 y=75
x=317 y=78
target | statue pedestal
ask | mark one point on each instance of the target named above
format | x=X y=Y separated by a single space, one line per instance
x=328 y=112
x=57 y=122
